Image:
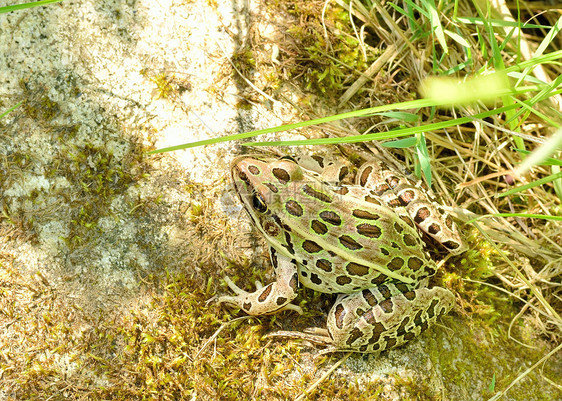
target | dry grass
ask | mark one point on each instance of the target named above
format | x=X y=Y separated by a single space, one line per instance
x=478 y=161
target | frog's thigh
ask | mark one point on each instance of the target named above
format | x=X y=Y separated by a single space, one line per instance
x=377 y=319
x=274 y=296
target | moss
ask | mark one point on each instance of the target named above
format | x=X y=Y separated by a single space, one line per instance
x=163 y=347
x=164 y=86
x=324 y=61
x=37 y=104
x=96 y=177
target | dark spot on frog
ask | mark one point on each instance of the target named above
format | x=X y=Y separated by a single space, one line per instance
x=315 y=279
x=406 y=197
x=324 y=264
x=356 y=269
x=354 y=335
x=433 y=228
x=265 y=293
x=311 y=246
x=415 y=263
x=395 y=264
x=365 y=175
x=369 y=230
x=318 y=227
x=339 y=314
x=422 y=214
x=330 y=217
x=271 y=187
x=386 y=306
x=294 y=283
x=282 y=175
x=363 y=214
x=350 y=243
x=293 y=208
x=308 y=190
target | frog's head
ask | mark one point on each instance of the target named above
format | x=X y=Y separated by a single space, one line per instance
x=262 y=184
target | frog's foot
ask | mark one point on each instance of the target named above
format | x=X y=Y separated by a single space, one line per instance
x=385 y=317
x=271 y=298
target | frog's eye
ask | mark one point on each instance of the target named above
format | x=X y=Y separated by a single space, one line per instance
x=288 y=158
x=258 y=203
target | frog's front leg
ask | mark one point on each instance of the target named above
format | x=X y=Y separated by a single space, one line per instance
x=273 y=297
x=388 y=316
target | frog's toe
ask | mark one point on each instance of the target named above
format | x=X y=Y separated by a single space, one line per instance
x=292 y=307
x=237 y=290
x=228 y=300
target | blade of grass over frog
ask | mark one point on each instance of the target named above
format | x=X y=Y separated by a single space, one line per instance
x=10 y=110
x=15 y=7
x=522 y=215
x=533 y=184
x=388 y=134
x=412 y=104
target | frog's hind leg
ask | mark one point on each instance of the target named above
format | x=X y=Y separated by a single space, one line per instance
x=388 y=316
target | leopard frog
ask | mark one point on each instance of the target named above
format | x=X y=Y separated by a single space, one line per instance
x=363 y=241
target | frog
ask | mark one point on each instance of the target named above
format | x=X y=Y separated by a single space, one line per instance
x=363 y=238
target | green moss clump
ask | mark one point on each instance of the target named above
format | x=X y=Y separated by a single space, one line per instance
x=324 y=60
x=96 y=177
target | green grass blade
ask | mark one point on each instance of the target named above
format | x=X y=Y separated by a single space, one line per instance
x=15 y=7
x=401 y=143
x=10 y=109
x=413 y=104
x=436 y=27
x=386 y=135
x=424 y=159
